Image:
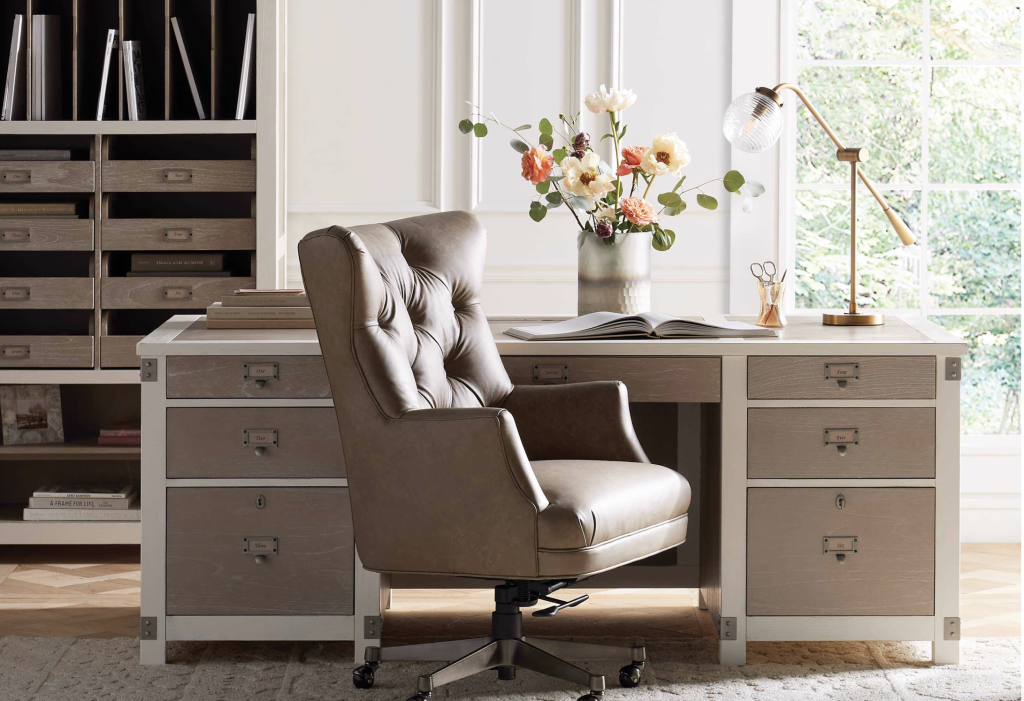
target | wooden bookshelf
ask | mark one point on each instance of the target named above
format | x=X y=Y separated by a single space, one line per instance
x=85 y=313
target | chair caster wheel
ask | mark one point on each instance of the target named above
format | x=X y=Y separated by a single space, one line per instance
x=362 y=677
x=420 y=697
x=629 y=676
x=590 y=697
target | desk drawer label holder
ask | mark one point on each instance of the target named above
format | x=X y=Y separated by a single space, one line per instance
x=15 y=236
x=551 y=374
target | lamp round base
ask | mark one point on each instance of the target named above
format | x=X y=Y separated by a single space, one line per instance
x=847 y=319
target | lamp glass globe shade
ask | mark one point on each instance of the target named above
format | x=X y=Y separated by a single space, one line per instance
x=753 y=122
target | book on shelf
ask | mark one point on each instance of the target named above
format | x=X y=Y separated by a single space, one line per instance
x=14 y=85
x=132 y=513
x=247 y=80
x=285 y=292
x=218 y=311
x=38 y=209
x=108 y=87
x=135 y=91
x=177 y=262
x=90 y=504
x=124 y=441
x=259 y=323
x=265 y=298
x=646 y=325
x=180 y=273
x=180 y=40
x=84 y=491
x=35 y=154
x=122 y=428
x=46 y=77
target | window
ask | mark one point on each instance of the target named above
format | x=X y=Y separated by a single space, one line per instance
x=932 y=89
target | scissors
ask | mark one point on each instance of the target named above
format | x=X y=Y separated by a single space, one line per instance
x=765 y=272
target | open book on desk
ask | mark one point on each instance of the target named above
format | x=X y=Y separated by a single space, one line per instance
x=646 y=325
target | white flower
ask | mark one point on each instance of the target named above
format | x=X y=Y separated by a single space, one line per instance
x=667 y=154
x=584 y=177
x=609 y=101
x=608 y=213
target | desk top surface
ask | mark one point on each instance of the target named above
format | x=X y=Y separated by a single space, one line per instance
x=805 y=335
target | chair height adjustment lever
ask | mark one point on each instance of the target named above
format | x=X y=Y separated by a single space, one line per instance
x=552 y=610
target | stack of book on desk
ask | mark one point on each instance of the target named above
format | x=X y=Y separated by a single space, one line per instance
x=127 y=433
x=178 y=265
x=83 y=503
x=261 y=309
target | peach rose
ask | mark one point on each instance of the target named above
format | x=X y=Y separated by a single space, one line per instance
x=638 y=210
x=537 y=164
x=631 y=157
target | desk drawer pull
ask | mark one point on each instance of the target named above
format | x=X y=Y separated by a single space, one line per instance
x=260 y=372
x=842 y=373
x=842 y=438
x=16 y=294
x=841 y=546
x=260 y=438
x=178 y=175
x=16 y=351
x=260 y=546
x=17 y=177
x=15 y=236
x=177 y=293
x=551 y=374
x=177 y=234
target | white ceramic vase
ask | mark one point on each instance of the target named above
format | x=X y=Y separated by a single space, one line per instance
x=615 y=278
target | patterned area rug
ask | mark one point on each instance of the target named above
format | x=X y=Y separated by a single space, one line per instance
x=63 y=669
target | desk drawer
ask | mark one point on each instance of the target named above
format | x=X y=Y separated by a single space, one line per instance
x=179 y=176
x=47 y=176
x=46 y=234
x=889 y=570
x=232 y=443
x=882 y=443
x=179 y=235
x=240 y=376
x=168 y=292
x=860 y=377
x=46 y=292
x=46 y=351
x=209 y=572
x=648 y=379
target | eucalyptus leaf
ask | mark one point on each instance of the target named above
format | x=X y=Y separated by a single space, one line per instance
x=545 y=126
x=707 y=201
x=547 y=141
x=733 y=181
x=554 y=198
x=556 y=178
x=673 y=211
x=480 y=129
x=559 y=154
x=660 y=242
x=610 y=241
x=521 y=127
x=748 y=205
x=679 y=183
x=537 y=211
x=466 y=126
x=580 y=202
x=519 y=146
x=543 y=187
x=580 y=238
x=670 y=199
x=752 y=188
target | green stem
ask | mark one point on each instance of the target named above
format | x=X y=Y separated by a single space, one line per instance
x=615 y=138
x=649 y=183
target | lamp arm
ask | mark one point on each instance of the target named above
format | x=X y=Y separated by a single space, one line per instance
x=905 y=234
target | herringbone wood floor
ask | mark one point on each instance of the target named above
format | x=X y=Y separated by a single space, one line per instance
x=93 y=592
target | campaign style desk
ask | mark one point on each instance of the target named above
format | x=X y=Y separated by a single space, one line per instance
x=828 y=494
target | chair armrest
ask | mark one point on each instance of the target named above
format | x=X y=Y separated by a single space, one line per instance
x=454 y=494
x=582 y=421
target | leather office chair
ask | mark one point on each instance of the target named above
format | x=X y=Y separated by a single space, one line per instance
x=452 y=470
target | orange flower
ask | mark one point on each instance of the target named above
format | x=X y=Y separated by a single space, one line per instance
x=631 y=157
x=638 y=210
x=537 y=164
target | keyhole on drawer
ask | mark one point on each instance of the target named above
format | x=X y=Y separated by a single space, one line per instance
x=260 y=383
x=840 y=501
x=840 y=558
x=842 y=449
x=841 y=384
x=261 y=501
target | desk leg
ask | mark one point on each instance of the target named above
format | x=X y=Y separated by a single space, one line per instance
x=367 y=604
x=734 y=508
x=947 y=515
x=153 y=647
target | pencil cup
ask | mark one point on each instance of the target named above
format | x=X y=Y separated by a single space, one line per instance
x=771 y=294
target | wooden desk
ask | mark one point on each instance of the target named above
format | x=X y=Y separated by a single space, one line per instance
x=826 y=479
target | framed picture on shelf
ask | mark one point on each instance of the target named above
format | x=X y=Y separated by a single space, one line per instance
x=31 y=414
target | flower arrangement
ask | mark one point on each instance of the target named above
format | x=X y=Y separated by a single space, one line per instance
x=595 y=192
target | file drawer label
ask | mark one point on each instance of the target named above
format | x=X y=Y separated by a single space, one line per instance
x=15 y=236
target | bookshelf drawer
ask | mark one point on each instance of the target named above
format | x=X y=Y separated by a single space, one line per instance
x=119 y=351
x=46 y=351
x=861 y=377
x=247 y=377
x=222 y=559
x=179 y=176
x=841 y=443
x=179 y=234
x=646 y=379
x=46 y=292
x=47 y=176
x=234 y=443
x=40 y=234
x=168 y=292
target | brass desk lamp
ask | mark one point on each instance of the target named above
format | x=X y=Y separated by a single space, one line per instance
x=753 y=123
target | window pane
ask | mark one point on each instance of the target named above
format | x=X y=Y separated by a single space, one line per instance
x=974 y=125
x=975 y=29
x=974 y=248
x=860 y=29
x=888 y=272
x=878 y=109
x=990 y=390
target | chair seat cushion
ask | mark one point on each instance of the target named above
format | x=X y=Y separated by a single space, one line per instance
x=593 y=502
